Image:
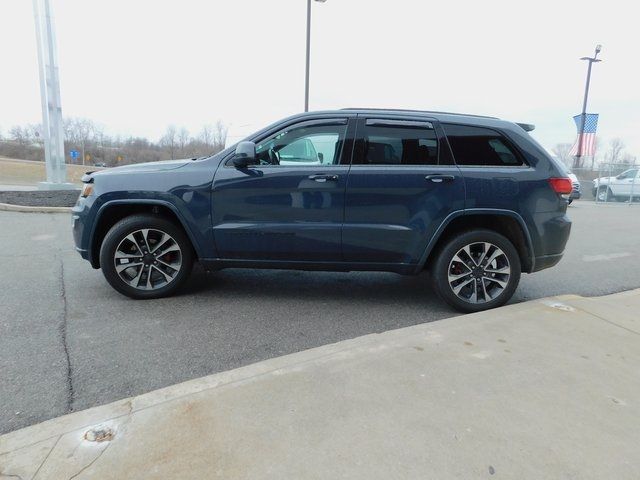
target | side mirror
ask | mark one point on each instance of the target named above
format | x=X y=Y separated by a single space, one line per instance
x=245 y=154
x=321 y=157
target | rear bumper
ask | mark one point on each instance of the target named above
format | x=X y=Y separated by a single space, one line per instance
x=547 y=261
x=552 y=235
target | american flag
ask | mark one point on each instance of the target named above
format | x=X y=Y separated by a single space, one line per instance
x=588 y=135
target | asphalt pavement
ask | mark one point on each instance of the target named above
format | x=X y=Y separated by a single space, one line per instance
x=68 y=341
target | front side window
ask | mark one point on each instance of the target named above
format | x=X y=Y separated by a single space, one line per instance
x=397 y=145
x=303 y=146
x=476 y=146
x=628 y=174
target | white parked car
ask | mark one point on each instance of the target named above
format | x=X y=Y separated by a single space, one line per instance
x=619 y=188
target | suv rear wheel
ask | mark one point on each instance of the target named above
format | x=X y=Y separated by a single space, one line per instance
x=145 y=256
x=476 y=270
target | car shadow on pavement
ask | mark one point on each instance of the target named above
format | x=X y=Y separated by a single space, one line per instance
x=336 y=287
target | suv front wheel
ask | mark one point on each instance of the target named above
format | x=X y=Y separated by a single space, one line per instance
x=476 y=270
x=146 y=256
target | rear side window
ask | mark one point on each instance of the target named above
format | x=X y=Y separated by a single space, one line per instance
x=476 y=146
x=397 y=145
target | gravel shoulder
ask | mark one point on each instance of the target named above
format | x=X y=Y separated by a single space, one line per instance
x=57 y=198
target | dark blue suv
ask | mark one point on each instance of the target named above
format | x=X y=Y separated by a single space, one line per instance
x=473 y=200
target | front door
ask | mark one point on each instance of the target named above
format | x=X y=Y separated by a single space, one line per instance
x=402 y=185
x=290 y=206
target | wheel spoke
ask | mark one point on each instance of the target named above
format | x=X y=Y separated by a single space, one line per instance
x=467 y=250
x=167 y=277
x=485 y=249
x=474 y=293
x=175 y=266
x=461 y=285
x=454 y=277
x=135 y=282
x=503 y=270
x=163 y=239
x=172 y=248
x=487 y=297
x=149 y=285
x=494 y=255
x=145 y=238
x=123 y=266
x=456 y=258
x=120 y=255
x=133 y=240
x=502 y=283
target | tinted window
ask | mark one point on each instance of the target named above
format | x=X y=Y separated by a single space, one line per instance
x=392 y=145
x=477 y=146
x=306 y=145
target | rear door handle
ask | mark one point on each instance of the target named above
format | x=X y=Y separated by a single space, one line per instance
x=323 y=178
x=439 y=178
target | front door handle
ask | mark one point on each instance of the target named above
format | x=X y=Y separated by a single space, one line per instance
x=439 y=178
x=323 y=178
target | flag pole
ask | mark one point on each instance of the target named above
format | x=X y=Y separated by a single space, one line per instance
x=583 y=119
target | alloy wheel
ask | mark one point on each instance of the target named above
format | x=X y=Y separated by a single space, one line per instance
x=479 y=272
x=148 y=259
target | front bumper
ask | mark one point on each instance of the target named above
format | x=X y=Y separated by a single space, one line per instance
x=80 y=225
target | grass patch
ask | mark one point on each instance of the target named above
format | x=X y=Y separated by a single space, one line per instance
x=28 y=172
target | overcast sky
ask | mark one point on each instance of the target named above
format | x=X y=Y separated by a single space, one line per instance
x=136 y=66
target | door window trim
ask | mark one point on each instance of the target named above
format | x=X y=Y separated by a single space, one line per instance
x=337 y=121
x=506 y=140
x=364 y=121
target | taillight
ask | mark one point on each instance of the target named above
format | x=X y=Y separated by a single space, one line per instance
x=562 y=186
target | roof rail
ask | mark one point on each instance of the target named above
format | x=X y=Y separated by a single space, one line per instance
x=418 y=111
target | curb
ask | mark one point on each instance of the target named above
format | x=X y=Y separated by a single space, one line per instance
x=7 y=207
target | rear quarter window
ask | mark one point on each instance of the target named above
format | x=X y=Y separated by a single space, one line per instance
x=477 y=146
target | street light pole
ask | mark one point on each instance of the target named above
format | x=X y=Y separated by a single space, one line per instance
x=50 y=97
x=306 y=78
x=583 y=117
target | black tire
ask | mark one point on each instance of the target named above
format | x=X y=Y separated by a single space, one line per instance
x=135 y=223
x=445 y=256
x=605 y=194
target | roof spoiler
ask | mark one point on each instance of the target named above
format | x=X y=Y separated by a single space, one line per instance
x=527 y=127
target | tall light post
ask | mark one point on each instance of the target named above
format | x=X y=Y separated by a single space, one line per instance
x=306 y=78
x=583 y=118
x=50 y=97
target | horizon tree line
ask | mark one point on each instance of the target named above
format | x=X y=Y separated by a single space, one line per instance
x=94 y=145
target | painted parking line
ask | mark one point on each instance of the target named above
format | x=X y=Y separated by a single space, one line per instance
x=604 y=257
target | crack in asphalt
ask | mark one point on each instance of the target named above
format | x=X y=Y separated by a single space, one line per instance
x=63 y=337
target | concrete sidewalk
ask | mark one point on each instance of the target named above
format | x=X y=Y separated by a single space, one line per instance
x=546 y=389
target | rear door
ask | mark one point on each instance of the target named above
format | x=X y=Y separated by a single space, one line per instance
x=401 y=187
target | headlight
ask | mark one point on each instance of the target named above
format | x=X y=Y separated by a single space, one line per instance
x=87 y=189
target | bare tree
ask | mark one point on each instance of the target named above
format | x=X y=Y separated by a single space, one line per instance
x=561 y=150
x=219 y=136
x=206 y=136
x=19 y=135
x=615 y=150
x=168 y=140
x=628 y=159
x=85 y=130
x=183 y=140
